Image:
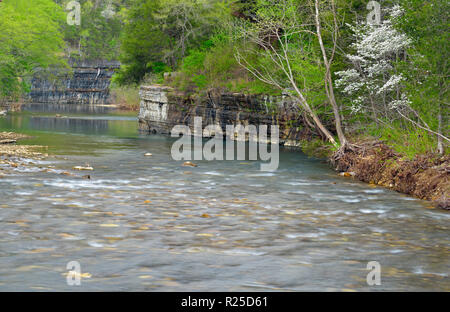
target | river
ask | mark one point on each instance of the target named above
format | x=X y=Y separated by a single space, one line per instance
x=149 y=224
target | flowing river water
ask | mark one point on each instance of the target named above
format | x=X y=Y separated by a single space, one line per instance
x=148 y=223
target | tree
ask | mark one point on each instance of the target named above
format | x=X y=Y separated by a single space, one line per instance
x=161 y=32
x=30 y=40
x=371 y=82
x=328 y=60
x=98 y=35
x=375 y=83
x=286 y=50
x=427 y=69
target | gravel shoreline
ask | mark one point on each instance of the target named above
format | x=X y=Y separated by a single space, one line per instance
x=12 y=155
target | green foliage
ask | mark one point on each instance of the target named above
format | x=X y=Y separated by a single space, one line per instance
x=162 y=31
x=427 y=67
x=309 y=72
x=407 y=141
x=30 y=40
x=317 y=148
x=193 y=62
x=214 y=66
x=98 y=36
x=200 y=81
x=142 y=42
x=198 y=41
x=126 y=97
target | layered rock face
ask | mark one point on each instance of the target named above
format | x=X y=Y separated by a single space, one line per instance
x=89 y=84
x=161 y=108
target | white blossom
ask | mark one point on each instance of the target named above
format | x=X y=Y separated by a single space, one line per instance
x=396 y=11
x=391 y=84
x=403 y=102
x=371 y=78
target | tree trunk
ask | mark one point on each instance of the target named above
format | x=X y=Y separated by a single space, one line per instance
x=337 y=115
x=316 y=119
x=440 y=143
x=329 y=79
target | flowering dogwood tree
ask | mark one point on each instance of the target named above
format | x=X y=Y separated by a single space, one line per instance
x=372 y=83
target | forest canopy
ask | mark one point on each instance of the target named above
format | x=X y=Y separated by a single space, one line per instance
x=30 y=40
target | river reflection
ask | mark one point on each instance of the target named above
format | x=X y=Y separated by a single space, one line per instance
x=147 y=223
x=72 y=125
x=68 y=108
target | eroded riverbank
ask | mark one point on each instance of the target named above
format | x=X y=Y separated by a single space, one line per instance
x=425 y=177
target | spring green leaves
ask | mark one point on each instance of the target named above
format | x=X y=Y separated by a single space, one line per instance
x=30 y=39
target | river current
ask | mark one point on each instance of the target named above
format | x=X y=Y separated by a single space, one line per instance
x=149 y=224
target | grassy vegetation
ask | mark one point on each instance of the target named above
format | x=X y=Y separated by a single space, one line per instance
x=214 y=66
x=407 y=143
x=126 y=97
x=317 y=148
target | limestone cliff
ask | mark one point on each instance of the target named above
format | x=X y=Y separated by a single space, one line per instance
x=88 y=84
x=161 y=108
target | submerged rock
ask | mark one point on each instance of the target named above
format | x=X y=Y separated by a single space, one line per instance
x=189 y=164
x=83 y=168
x=347 y=174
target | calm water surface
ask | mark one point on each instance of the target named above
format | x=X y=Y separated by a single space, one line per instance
x=147 y=223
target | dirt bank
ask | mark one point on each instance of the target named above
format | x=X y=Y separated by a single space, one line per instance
x=425 y=177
